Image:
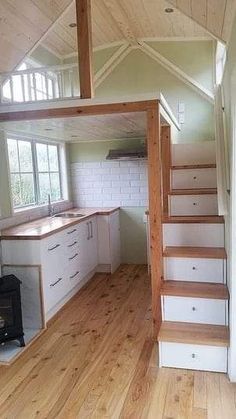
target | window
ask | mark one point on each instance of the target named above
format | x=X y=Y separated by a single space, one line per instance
x=220 y=62
x=34 y=171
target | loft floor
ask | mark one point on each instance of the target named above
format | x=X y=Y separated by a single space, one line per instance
x=97 y=360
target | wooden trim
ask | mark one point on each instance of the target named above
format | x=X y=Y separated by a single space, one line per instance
x=195 y=252
x=194 y=166
x=84 y=110
x=195 y=290
x=194 y=219
x=155 y=210
x=85 y=51
x=202 y=191
x=194 y=333
x=166 y=164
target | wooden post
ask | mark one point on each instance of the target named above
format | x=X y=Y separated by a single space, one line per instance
x=166 y=166
x=155 y=211
x=85 y=52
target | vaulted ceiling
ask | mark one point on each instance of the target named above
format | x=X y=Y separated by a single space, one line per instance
x=216 y=16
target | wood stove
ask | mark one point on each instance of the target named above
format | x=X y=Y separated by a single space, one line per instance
x=11 y=327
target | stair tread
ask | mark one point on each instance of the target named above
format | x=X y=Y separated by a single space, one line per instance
x=195 y=252
x=193 y=219
x=200 y=191
x=195 y=289
x=194 y=333
x=194 y=166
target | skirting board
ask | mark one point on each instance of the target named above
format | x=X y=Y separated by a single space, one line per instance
x=104 y=268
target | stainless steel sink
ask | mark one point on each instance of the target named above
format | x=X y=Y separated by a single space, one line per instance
x=69 y=215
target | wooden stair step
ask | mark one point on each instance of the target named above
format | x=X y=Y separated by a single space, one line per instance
x=195 y=252
x=194 y=333
x=194 y=166
x=195 y=289
x=201 y=191
x=200 y=219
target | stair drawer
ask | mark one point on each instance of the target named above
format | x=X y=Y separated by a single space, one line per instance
x=194 y=178
x=193 y=357
x=210 y=235
x=193 y=204
x=194 y=310
x=195 y=269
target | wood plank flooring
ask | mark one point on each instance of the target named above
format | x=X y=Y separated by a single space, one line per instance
x=97 y=360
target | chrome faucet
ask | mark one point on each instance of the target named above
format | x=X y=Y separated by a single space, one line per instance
x=50 y=206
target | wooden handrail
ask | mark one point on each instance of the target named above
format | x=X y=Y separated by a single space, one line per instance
x=166 y=167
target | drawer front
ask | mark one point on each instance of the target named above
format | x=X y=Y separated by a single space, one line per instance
x=193 y=205
x=211 y=235
x=194 y=269
x=194 y=178
x=194 y=310
x=194 y=357
x=55 y=288
x=71 y=234
x=52 y=254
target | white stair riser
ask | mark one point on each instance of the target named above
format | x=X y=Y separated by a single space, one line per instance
x=193 y=235
x=194 y=357
x=194 y=178
x=186 y=154
x=195 y=310
x=194 y=269
x=193 y=205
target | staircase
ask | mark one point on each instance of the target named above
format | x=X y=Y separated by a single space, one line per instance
x=194 y=296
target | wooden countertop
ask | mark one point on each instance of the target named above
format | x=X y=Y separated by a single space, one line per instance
x=44 y=227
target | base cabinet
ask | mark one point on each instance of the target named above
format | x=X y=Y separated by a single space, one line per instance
x=108 y=242
x=68 y=259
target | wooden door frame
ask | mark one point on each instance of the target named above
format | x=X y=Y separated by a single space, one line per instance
x=152 y=110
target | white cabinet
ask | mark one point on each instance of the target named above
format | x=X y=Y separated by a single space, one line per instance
x=194 y=178
x=89 y=245
x=108 y=242
x=195 y=269
x=194 y=357
x=194 y=310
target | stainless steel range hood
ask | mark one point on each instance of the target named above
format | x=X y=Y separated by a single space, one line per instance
x=127 y=154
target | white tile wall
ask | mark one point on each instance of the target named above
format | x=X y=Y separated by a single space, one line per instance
x=105 y=184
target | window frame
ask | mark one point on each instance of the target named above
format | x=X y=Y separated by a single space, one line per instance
x=35 y=172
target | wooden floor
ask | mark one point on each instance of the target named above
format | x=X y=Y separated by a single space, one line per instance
x=97 y=360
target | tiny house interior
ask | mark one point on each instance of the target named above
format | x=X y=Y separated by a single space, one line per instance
x=117 y=196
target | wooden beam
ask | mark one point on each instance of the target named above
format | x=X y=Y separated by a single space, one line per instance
x=75 y=111
x=177 y=72
x=85 y=52
x=155 y=211
x=111 y=64
x=166 y=167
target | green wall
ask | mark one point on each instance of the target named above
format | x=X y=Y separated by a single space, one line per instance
x=133 y=235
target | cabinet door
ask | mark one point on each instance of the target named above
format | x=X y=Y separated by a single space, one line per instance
x=92 y=244
x=114 y=222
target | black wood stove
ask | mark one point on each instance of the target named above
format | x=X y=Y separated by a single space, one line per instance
x=11 y=327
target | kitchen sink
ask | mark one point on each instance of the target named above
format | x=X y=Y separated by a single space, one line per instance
x=69 y=215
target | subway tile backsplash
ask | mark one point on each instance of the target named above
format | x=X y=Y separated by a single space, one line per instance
x=105 y=184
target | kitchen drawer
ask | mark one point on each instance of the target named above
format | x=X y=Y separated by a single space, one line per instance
x=193 y=204
x=194 y=178
x=71 y=234
x=195 y=357
x=195 y=269
x=52 y=252
x=54 y=288
x=195 y=310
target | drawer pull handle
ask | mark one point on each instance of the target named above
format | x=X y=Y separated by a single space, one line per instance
x=195 y=203
x=72 y=244
x=193 y=356
x=72 y=231
x=194 y=177
x=72 y=257
x=55 y=283
x=194 y=268
x=73 y=276
x=54 y=247
x=193 y=308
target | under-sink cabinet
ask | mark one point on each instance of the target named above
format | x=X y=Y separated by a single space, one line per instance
x=67 y=259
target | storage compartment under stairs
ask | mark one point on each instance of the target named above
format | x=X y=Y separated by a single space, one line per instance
x=194 y=333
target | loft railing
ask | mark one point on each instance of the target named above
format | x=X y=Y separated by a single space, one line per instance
x=39 y=83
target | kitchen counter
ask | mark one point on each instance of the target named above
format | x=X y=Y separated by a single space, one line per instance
x=44 y=227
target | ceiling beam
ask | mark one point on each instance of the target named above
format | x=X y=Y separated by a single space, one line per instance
x=112 y=63
x=85 y=51
x=177 y=72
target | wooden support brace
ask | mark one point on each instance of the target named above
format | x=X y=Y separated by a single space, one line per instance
x=166 y=166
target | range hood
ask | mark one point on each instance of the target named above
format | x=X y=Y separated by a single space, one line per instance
x=127 y=154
